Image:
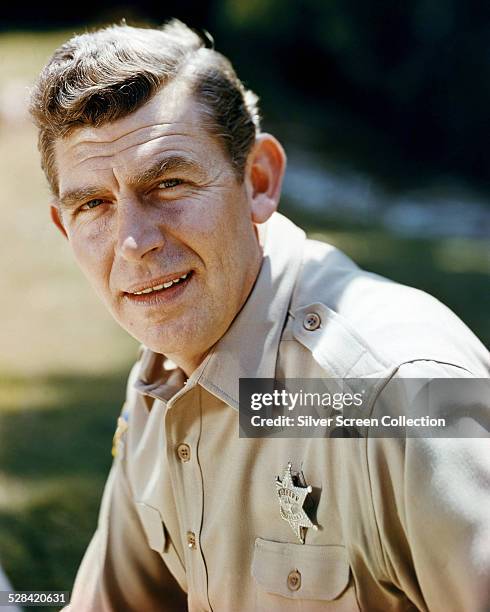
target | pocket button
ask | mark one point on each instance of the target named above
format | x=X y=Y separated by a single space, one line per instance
x=312 y=321
x=294 y=580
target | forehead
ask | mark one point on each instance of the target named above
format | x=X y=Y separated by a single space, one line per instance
x=171 y=121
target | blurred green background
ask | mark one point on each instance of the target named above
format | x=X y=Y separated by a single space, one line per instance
x=383 y=111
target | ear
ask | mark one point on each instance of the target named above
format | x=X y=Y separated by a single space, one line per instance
x=56 y=219
x=264 y=172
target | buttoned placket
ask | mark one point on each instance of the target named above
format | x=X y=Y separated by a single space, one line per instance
x=182 y=428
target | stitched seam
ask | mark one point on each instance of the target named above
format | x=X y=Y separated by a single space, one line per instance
x=379 y=548
x=219 y=390
x=449 y=363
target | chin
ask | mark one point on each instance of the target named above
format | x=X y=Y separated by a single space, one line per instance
x=173 y=339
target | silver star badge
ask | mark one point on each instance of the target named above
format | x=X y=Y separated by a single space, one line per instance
x=291 y=500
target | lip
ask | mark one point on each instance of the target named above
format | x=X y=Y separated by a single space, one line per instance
x=161 y=297
x=154 y=282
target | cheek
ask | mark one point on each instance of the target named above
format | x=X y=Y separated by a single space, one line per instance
x=204 y=225
x=232 y=255
x=92 y=249
x=194 y=216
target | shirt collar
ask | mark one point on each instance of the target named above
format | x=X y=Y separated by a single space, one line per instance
x=249 y=347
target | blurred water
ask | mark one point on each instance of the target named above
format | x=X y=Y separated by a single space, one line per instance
x=439 y=210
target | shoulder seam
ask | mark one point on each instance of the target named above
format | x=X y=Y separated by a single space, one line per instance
x=438 y=361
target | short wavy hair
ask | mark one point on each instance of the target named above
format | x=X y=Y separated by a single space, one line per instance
x=101 y=76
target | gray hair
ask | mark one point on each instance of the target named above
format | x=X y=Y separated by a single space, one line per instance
x=99 y=77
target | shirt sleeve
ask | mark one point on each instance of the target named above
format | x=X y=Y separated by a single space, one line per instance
x=431 y=500
x=119 y=570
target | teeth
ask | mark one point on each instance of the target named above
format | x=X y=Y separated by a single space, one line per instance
x=163 y=286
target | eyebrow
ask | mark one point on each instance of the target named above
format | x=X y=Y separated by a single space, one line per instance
x=167 y=165
x=71 y=198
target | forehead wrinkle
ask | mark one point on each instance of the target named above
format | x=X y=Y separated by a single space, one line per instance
x=134 y=144
x=94 y=142
x=134 y=131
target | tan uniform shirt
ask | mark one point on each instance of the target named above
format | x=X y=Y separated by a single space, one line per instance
x=404 y=524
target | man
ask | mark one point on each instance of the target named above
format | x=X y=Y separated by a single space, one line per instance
x=166 y=189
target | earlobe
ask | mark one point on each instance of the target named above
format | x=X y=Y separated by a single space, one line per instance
x=265 y=170
x=56 y=219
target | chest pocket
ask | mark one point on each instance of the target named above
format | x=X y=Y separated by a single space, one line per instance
x=156 y=535
x=288 y=574
x=153 y=526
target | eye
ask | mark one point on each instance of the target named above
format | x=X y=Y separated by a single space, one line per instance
x=91 y=204
x=169 y=183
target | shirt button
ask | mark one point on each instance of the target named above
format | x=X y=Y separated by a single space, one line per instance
x=294 y=580
x=312 y=321
x=184 y=452
x=191 y=539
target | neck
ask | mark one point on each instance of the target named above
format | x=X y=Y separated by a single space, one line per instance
x=189 y=363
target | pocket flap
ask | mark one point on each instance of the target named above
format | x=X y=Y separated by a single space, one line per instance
x=324 y=570
x=153 y=526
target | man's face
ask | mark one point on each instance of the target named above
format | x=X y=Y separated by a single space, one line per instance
x=152 y=198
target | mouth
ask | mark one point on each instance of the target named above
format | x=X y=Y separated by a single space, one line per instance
x=155 y=291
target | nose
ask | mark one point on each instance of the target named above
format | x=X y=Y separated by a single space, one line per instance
x=138 y=233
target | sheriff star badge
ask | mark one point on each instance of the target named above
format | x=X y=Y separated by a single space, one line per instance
x=291 y=500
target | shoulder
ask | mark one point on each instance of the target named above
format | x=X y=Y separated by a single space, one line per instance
x=369 y=324
x=428 y=489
